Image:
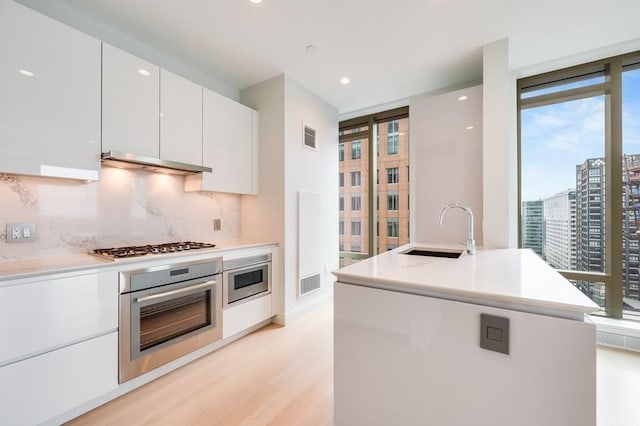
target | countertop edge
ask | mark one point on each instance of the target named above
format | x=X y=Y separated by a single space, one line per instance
x=25 y=269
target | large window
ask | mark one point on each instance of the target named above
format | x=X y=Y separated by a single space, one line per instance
x=379 y=144
x=580 y=177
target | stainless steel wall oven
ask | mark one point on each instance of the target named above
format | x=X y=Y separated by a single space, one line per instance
x=166 y=312
x=246 y=278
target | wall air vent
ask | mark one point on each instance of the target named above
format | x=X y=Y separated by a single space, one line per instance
x=309 y=284
x=309 y=139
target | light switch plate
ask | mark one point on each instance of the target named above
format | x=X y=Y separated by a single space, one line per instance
x=494 y=333
x=21 y=232
x=216 y=225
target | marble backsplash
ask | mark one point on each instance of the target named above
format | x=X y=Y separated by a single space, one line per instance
x=124 y=208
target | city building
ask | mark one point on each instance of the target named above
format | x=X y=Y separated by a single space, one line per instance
x=392 y=202
x=559 y=241
x=391 y=190
x=631 y=221
x=590 y=232
x=533 y=226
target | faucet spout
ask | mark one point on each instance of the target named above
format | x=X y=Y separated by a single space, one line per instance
x=471 y=243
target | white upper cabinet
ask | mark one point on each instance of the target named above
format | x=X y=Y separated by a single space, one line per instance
x=130 y=103
x=229 y=146
x=180 y=119
x=49 y=97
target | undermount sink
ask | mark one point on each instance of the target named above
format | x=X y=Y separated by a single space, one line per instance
x=451 y=254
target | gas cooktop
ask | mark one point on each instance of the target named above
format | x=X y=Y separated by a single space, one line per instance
x=151 y=249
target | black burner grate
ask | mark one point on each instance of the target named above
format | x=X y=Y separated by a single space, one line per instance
x=134 y=251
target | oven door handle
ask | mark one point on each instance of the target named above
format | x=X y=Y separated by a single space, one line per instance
x=175 y=292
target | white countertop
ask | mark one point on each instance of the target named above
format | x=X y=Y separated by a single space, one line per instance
x=508 y=278
x=33 y=267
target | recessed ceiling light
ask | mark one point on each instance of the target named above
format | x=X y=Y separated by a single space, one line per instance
x=463 y=98
x=345 y=80
x=144 y=72
x=27 y=73
x=469 y=127
x=256 y=1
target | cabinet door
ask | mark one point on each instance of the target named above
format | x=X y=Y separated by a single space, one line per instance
x=43 y=387
x=46 y=314
x=240 y=318
x=180 y=119
x=228 y=145
x=130 y=103
x=50 y=102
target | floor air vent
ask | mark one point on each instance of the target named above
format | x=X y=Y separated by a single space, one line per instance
x=618 y=341
x=309 y=284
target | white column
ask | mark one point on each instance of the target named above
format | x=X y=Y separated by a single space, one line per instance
x=499 y=149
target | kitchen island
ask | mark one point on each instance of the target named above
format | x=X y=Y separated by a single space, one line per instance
x=408 y=332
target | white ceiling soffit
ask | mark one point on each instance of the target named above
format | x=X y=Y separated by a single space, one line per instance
x=389 y=49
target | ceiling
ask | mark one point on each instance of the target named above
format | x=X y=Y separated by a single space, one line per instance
x=389 y=49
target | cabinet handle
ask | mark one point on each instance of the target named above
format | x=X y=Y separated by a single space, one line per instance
x=175 y=292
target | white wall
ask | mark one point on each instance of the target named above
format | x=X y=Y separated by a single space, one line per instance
x=287 y=167
x=312 y=171
x=500 y=177
x=262 y=217
x=446 y=164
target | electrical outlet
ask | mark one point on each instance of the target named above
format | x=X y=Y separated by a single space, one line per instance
x=216 y=225
x=21 y=232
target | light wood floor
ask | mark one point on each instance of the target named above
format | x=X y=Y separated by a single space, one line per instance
x=284 y=376
x=275 y=376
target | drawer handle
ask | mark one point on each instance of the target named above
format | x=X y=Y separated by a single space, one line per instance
x=209 y=283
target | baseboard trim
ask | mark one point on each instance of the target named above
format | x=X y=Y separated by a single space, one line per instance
x=295 y=313
x=150 y=376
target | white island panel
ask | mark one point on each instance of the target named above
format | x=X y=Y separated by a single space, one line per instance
x=415 y=360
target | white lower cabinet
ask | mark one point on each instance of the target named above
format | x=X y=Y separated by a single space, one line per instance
x=59 y=348
x=48 y=313
x=40 y=388
x=241 y=317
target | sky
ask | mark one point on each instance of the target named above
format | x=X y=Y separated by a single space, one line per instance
x=556 y=138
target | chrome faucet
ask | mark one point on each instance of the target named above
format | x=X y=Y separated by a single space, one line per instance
x=471 y=243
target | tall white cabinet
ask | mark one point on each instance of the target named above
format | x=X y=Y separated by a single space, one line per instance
x=50 y=97
x=180 y=119
x=230 y=147
x=130 y=103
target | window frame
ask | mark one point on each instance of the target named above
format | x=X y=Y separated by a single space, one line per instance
x=611 y=88
x=352 y=129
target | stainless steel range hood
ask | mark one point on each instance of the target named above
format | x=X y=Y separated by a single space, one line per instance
x=124 y=160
